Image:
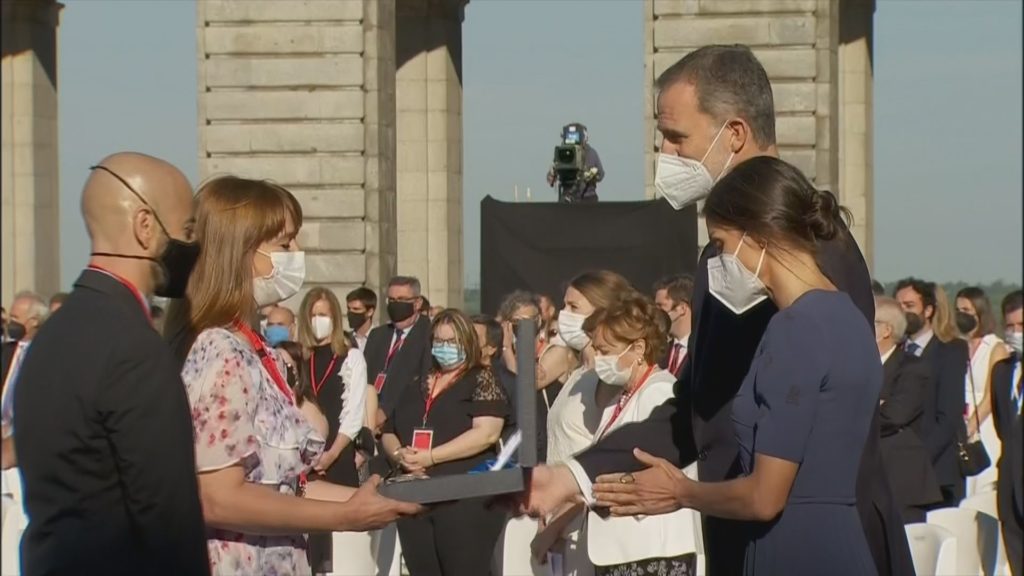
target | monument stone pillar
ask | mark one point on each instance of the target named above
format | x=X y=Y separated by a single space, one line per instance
x=302 y=93
x=429 y=145
x=30 y=210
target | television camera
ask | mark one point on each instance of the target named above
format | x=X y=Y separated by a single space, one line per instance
x=569 y=167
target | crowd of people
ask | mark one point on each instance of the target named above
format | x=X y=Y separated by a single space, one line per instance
x=804 y=417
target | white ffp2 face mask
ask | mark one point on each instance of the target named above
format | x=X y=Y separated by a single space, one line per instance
x=683 y=181
x=570 y=328
x=1015 y=340
x=284 y=280
x=607 y=369
x=732 y=284
x=322 y=327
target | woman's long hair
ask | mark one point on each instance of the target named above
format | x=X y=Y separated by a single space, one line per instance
x=234 y=216
x=337 y=341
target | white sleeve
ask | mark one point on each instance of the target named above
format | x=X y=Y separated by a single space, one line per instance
x=586 y=487
x=353 y=396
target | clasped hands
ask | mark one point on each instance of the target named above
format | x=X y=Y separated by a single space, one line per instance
x=414 y=461
x=661 y=488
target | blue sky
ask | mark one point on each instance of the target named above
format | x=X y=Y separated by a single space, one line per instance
x=948 y=172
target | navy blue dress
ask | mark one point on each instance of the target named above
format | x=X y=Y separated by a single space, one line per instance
x=808 y=398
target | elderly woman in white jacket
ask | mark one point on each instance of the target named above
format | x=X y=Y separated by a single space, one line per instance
x=627 y=341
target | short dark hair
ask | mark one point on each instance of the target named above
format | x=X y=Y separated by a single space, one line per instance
x=1012 y=302
x=923 y=288
x=771 y=199
x=877 y=288
x=679 y=288
x=491 y=329
x=411 y=281
x=730 y=81
x=516 y=300
x=364 y=295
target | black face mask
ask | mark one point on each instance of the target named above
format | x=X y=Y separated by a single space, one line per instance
x=400 y=311
x=356 y=320
x=177 y=259
x=15 y=330
x=914 y=323
x=965 y=323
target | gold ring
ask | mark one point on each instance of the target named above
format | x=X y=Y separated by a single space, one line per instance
x=627 y=479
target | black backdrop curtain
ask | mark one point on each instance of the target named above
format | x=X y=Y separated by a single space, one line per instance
x=541 y=246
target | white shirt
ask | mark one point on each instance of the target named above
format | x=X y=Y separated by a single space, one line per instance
x=885 y=357
x=923 y=339
x=353 y=395
x=1013 y=384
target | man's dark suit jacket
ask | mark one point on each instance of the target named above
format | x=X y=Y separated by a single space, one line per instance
x=6 y=355
x=409 y=366
x=906 y=390
x=103 y=434
x=944 y=415
x=1010 y=487
x=697 y=423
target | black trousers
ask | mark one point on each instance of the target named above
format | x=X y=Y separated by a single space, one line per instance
x=452 y=539
x=1013 y=538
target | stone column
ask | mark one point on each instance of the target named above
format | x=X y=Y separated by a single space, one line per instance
x=298 y=92
x=429 y=145
x=855 y=92
x=795 y=40
x=30 y=191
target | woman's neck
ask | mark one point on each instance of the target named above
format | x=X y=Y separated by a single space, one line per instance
x=635 y=380
x=793 y=277
x=587 y=355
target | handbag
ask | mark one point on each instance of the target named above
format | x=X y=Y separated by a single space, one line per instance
x=972 y=457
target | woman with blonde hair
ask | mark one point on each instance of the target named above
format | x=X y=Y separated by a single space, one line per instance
x=943 y=322
x=253 y=445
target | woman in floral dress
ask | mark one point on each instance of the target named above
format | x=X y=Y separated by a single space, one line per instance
x=253 y=445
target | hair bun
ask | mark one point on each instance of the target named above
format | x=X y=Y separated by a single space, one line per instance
x=826 y=217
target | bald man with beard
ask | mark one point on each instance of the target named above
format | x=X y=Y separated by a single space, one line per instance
x=102 y=430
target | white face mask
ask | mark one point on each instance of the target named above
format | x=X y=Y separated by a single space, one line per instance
x=322 y=327
x=683 y=181
x=284 y=280
x=570 y=328
x=733 y=285
x=607 y=369
x=1014 y=341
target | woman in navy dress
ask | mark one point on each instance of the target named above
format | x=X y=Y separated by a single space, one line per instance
x=804 y=409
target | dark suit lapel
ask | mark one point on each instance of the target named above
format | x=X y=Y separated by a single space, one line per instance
x=889 y=370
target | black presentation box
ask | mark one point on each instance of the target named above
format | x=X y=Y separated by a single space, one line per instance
x=505 y=481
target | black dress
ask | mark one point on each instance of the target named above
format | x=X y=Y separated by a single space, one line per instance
x=453 y=538
x=326 y=368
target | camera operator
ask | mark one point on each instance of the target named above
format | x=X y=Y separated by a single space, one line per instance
x=577 y=167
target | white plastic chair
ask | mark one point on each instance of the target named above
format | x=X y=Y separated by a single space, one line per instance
x=352 y=554
x=512 y=555
x=933 y=550
x=987 y=503
x=977 y=536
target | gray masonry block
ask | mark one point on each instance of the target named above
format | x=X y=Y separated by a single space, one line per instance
x=779 y=63
x=756 y=6
x=291 y=170
x=794 y=96
x=343 y=38
x=290 y=11
x=796 y=130
x=802 y=158
x=341 y=235
x=322 y=104
x=264 y=138
x=765 y=30
x=339 y=290
x=340 y=202
x=243 y=72
x=335 y=268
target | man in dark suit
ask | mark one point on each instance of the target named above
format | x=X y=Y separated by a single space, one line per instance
x=1006 y=413
x=673 y=294
x=103 y=431
x=906 y=390
x=398 y=353
x=944 y=415
x=715 y=109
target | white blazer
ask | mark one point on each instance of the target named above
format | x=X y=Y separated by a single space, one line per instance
x=612 y=540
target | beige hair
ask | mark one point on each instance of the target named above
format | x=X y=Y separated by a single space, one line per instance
x=888 y=311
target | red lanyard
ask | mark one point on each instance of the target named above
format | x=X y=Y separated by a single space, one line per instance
x=268 y=361
x=623 y=400
x=399 y=340
x=312 y=374
x=131 y=288
x=431 y=399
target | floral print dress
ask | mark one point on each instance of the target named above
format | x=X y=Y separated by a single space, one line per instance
x=241 y=418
